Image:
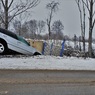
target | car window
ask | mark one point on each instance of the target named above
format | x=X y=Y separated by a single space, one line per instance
x=23 y=40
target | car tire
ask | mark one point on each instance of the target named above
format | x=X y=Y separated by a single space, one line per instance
x=3 y=48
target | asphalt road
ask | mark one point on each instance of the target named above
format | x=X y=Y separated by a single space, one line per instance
x=41 y=82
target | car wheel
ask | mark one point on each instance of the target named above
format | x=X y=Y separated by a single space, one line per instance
x=3 y=48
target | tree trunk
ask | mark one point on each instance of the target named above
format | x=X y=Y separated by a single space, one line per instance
x=6 y=20
x=6 y=14
x=90 y=28
x=49 y=30
x=90 y=44
x=83 y=44
x=84 y=28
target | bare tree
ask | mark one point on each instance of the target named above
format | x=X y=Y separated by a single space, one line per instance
x=32 y=28
x=41 y=26
x=52 y=7
x=57 y=28
x=89 y=4
x=12 y=10
x=17 y=27
x=82 y=10
x=75 y=41
x=19 y=21
x=21 y=29
x=90 y=7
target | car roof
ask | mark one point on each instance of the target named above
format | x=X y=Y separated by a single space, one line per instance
x=9 y=33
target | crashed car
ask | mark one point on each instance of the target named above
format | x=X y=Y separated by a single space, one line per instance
x=9 y=41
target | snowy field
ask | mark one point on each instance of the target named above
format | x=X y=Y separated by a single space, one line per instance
x=47 y=62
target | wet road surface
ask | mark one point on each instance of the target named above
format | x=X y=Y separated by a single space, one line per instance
x=41 y=82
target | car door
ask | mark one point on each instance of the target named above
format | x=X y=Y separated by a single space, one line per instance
x=11 y=39
x=24 y=46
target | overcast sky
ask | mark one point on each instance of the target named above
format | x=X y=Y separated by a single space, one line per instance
x=68 y=13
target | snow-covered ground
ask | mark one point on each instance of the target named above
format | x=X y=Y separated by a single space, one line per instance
x=47 y=62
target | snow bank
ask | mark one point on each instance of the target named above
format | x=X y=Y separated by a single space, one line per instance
x=48 y=62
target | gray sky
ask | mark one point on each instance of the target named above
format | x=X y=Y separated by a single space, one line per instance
x=68 y=13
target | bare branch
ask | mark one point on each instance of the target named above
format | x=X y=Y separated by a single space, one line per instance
x=93 y=24
x=19 y=8
x=2 y=19
x=53 y=7
x=3 y=3
x=10 y=4
x=94 y=1
x=79 y=7
x=93 y=14
x=13 y=9
x=86 y=4
x=78 y=3
x=22 y=8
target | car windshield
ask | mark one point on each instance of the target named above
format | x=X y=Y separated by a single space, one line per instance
x=23 y=40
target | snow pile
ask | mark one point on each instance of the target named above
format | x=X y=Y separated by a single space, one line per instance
x=48 y=62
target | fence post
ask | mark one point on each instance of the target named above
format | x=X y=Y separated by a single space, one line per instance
x=51 y=48
x=62 y=49
x=44 y=46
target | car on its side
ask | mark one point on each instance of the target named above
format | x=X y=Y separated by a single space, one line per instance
x=9 y=41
